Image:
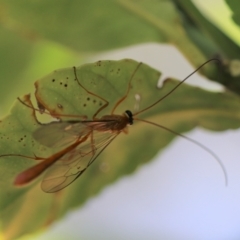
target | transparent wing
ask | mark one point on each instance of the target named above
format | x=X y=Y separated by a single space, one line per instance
x=68 y=168
x=59 y=134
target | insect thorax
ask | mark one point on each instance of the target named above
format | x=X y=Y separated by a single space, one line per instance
x=114 y=122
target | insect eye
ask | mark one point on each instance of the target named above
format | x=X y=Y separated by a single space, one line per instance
x=130 y=116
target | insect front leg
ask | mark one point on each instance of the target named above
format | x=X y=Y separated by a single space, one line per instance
x=91 y=93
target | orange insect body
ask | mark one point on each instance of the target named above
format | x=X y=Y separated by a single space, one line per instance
x=113 y=124
x=33 y=172
x=85 y=141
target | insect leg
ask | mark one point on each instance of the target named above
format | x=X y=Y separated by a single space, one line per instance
x=102 y=107
x=128 y=88
x=27 y=102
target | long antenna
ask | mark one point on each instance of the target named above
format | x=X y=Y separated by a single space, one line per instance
x=145 y=109
x=193 y=141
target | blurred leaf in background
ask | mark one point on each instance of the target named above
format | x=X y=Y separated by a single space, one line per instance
x=58 y=31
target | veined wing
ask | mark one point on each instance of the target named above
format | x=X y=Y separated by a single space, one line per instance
x=60 y=134
x=68 y=168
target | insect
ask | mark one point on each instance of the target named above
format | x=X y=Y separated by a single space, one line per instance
x=82 y=140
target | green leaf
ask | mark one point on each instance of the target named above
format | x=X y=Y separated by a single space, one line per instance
x=108 y=79
x=234 y=6
x=77 y=24
x=208 y=37
x=27 y=209
x=22 y=61
x=212 y=42
x=12 y=66
x=102 y=25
